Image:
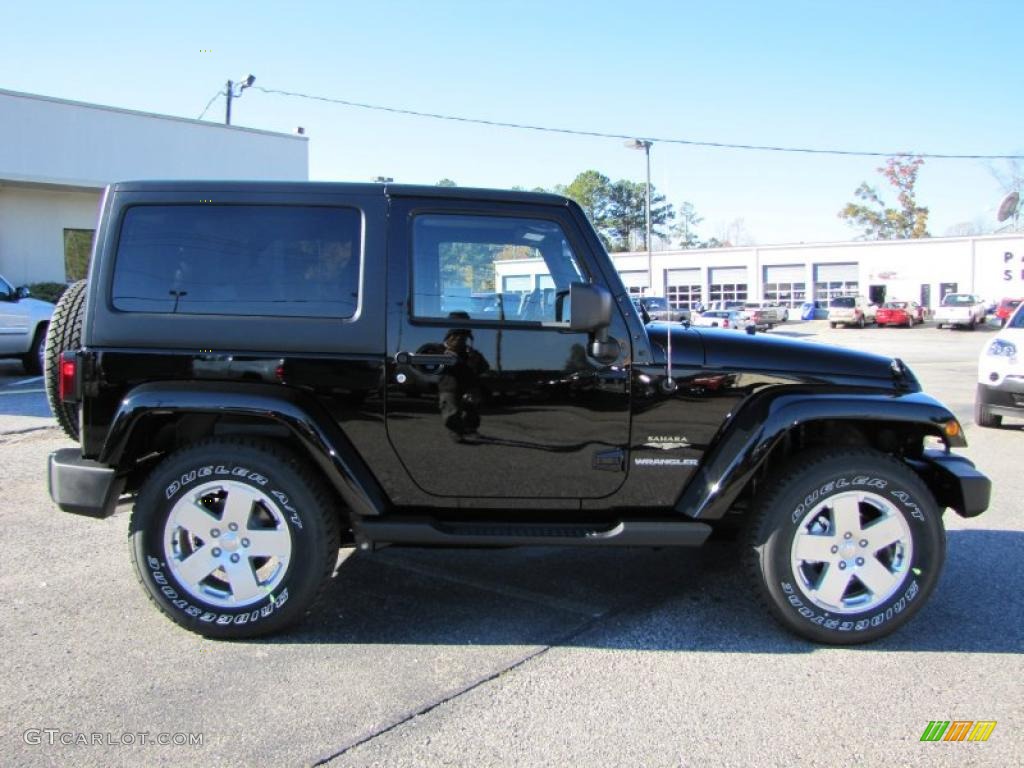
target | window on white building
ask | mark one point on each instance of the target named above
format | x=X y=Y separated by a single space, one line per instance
x=77 y=250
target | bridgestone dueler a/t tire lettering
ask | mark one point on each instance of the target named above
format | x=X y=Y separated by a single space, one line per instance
x=64 y=333
x=287 y=504
x=868 y=488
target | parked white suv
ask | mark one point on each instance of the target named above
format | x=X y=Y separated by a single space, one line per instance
x=963 y=309
x=851 y=310
x=23 y=324
x=1001 y=374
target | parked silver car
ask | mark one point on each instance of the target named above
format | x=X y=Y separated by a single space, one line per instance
x=23 y=322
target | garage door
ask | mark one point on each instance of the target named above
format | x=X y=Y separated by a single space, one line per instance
x=723 y=275
x=830 y=273
x=785 y=273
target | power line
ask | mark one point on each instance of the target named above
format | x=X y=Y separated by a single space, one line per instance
x=657 y=140
x=209 y=104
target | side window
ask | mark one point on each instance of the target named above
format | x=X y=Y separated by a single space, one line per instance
x=492 y=268
x=286 y=261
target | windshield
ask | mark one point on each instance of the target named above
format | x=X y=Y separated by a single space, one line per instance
x=655 y=304
x=958 y=300
x=845 y=302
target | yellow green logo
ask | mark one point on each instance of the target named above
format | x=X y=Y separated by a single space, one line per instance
x=958 y=730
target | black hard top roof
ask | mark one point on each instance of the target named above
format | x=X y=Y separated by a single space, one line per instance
x=341 y=188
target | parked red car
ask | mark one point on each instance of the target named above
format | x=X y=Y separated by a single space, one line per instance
x=907 y=313
x=1005 y=309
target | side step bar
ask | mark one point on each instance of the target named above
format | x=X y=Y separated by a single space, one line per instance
x=627 y=533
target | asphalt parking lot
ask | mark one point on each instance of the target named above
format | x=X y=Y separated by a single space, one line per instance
x=509 y=657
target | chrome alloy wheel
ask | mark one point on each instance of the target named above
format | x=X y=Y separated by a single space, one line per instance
x=851 y=552
x=227 y=543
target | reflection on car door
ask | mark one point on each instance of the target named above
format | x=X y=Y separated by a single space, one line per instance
x=491 y=394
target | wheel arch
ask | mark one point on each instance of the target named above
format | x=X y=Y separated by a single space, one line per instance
x=157 y=417
x=775 y=426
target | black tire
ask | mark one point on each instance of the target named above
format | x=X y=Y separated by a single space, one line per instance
x=800 y=500
x=831 y=325
x=860 y=322
x=32 y=360
x=983 y=415
x=285 y=499
x=64 y=333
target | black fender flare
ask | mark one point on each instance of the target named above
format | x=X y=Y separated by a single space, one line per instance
x=748 y=438
x=303 y=417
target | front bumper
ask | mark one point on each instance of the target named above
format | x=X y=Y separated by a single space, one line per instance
x=81 y=486
x=1005 y=398
x=955 y=482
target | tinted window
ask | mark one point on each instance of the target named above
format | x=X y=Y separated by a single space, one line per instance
x=239 y=260
x=492 y=268
x=844 y=301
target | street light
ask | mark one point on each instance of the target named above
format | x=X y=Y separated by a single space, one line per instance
x=645 y=145
x=232 y=95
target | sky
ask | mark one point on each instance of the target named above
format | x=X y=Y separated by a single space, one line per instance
x=940 y=77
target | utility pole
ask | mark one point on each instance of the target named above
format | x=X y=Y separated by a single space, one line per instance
x=645 y=145
x=230 y=93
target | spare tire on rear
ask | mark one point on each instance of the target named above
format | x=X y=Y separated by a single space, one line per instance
x=64 y=333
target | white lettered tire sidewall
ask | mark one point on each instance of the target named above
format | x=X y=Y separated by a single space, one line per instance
x=298 y=497
x=817 y=481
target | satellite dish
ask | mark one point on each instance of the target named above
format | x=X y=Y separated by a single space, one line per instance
x=1008 y=207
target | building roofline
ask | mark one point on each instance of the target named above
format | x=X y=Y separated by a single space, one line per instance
x=155 y=115
x=822 y=244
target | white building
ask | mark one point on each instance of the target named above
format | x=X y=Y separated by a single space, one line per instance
x=56 y=157
x=920 y=270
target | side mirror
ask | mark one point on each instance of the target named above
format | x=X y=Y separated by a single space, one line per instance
x=22 y=292
x=590 y=308
x=591 y=311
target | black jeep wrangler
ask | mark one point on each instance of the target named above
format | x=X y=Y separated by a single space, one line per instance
x=272 y=371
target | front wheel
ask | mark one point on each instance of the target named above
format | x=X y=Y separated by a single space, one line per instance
x=847 y=547
x=34 y=361
x=234 y=538
x=983 y=415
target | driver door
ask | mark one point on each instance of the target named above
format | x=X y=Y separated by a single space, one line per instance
x=490 y=394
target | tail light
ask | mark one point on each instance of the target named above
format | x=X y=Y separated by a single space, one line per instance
x=68 y=379
x=725 y=323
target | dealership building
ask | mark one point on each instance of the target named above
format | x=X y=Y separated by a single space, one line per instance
x=56 y=156
x=911 y=270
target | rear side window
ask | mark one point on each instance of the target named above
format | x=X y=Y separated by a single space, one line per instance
x=289 y=261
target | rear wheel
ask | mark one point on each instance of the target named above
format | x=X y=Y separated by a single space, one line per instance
x=64 y=333
x=860 y=322
x=234 y=538
x=847 y=547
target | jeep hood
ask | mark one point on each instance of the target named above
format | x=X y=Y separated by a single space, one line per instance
x=811 y=361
